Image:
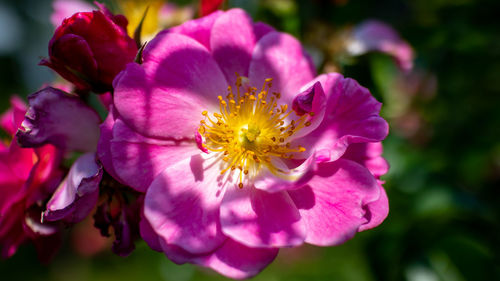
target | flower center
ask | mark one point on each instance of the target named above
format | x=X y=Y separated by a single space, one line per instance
x=250 y=129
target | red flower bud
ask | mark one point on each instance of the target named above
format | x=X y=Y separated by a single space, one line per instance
x=209 y=6
x=90 y=48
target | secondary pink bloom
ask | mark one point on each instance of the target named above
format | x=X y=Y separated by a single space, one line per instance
x=65 y=121
x=66 y=8
x=27 y=178
x=374 y=35
x=236 y=166
x=90 y=48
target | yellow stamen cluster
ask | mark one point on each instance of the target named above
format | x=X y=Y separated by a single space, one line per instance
x=250 y=129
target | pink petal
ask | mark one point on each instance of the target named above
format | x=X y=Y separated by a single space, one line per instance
x=44 y=176
x=78 y=193
x=198 y=29
x=333 y=203
x=104 y=144
x=182 y=206
x=238 y=261
x=9 y=182
x=281 y=57
x=231 y=259
x=310 y=100
x=138 y=160
x=352 y=116
x=12 y=118
x=261 y=29
x=369 y=155
x=177 y=254
x=11 y=231
x=256 y=218
x=292 y=178
x=233 y=53
x=164 y=97
x=376 y=211
x=148 y=234
x=61 y=119
x=18 y=162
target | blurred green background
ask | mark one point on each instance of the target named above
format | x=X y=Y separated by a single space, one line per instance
x=444 y=144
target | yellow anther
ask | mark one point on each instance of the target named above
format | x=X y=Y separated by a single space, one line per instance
x=249 y=134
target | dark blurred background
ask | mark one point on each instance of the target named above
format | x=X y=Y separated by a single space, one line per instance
x=443 y=147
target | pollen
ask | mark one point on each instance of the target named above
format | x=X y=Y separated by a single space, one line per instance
x=251 y=129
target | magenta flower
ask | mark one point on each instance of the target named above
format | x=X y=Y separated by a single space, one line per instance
x=209 y=6
x=64 y=120
x=236 y=166
x=374 y=35
x=27 y=178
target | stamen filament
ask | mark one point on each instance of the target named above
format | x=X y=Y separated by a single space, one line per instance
x=250 y=129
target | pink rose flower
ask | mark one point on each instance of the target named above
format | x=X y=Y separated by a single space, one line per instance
x=90 y=48
x=27 y=178
x=236 y=166
x=374 y=35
